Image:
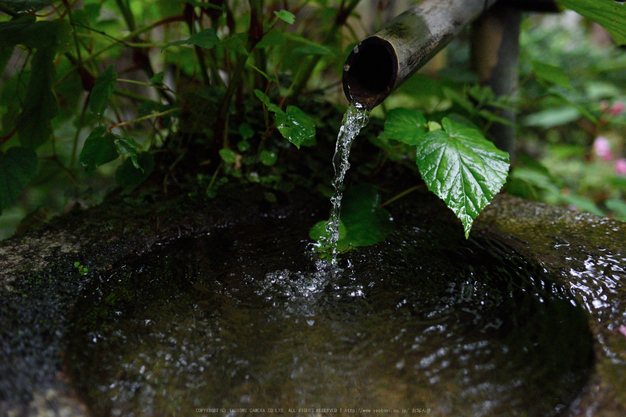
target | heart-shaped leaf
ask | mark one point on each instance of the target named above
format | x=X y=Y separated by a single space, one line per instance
x=99 y=149
x=463 y=168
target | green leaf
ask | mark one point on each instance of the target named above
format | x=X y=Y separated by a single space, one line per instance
x=228 y=155
x=17 y=168
x=99 y=149
x=272 y=38
x=204 y=39
x=608 y=13
x=285 y=16
x=128 y=146
x=157 y=78
x=103 y=90
x=406 y=126
x=618 y=207
x=27 y=5
x=362 y=223
x=25 y=30
x=34 y=124
x=318 y=230
x=320 y=49
x=366 y=223
x=462 y=168
x=582 y=203
x=296 y=126
x=552 y=117
x=551 y=73
x=202 y=4
x=268 y=158
x=266 y=102
x=129 y=175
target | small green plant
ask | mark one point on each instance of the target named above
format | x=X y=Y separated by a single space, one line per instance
x=83 y=270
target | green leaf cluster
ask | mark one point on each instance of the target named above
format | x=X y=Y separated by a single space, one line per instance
x=103 y=146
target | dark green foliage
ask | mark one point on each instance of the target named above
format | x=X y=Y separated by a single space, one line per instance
x=99 y=149
x=103 y=91
x=17 y=168
x=234 y=93
x=135 y=171
x=34 y=124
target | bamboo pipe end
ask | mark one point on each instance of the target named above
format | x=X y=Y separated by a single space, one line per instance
x=370 y=72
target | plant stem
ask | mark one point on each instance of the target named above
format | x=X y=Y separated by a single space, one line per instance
x=131 y=35
x=127 y=13
x=402 y=194
x=6 y=9
x=131 y=96
x=79 y=127
x=150 y=116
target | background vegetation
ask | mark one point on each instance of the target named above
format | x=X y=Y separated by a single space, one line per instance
x=193 y=95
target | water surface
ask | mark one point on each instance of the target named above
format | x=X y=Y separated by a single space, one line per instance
x=244 y=318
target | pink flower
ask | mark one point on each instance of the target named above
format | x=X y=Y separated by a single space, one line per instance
x=602 y=148
x=622 y=330
x=620 y=166
x=616 y=108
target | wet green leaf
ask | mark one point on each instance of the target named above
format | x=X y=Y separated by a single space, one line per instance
x=463 y=168
x=406 y=126
x=318 y=230
x=286 y=16
x=130 y=174
x=99 y=149
x=130 y=147
x=552 y=74
x=296 y=126
x=34 y=124
x=103 y=90
x=17 y=168
x=204 y=39
x=608 y=13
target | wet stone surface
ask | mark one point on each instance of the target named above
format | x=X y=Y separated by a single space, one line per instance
x=245 y=318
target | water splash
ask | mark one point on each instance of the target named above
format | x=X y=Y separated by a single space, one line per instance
x=354 y=120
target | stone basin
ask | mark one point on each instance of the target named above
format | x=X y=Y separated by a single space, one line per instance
x=61 y=350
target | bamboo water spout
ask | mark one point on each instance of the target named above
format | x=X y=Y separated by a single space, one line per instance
x=380 y=63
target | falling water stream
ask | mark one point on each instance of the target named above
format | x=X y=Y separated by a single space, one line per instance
x=354 y=120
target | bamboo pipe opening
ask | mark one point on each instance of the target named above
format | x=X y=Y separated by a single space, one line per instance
x=370 y=72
